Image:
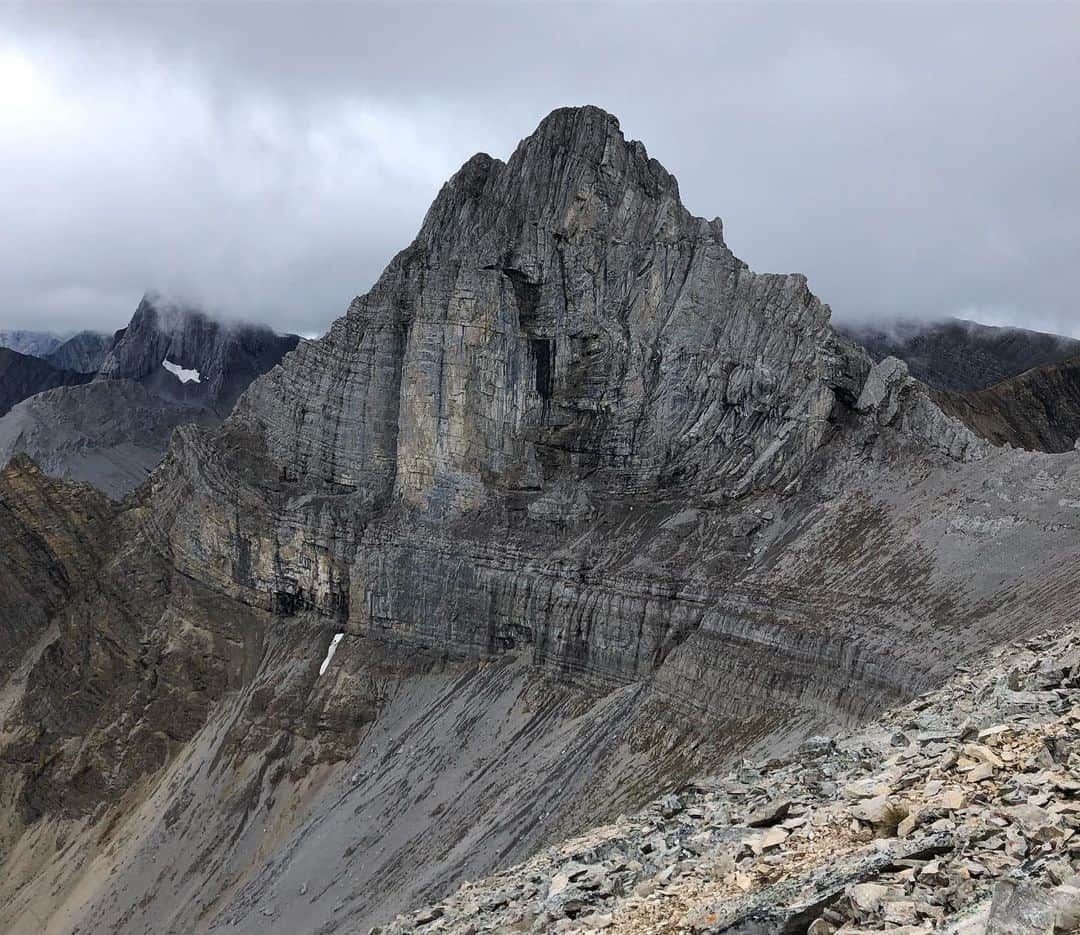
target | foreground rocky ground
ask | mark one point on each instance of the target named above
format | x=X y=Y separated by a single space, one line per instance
x=957 y=812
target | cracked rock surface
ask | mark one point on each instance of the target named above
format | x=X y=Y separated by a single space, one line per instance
x=585 y=508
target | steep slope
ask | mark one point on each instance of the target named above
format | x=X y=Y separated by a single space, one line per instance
x=83 y=352
x=1039 y=409
x=51 y=533
x=951 y=815
x=220 y=358
x=962 y=355
x=170 y=366
x=22 y=376
x=108 y=433
x=570 y=507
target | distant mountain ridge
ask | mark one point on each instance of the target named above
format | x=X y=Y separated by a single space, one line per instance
x=226 y=355
x=960 y=355
x=1038 y=409
x=83 y=352
x=34 y=343
x=22 y=375
x=110 y=426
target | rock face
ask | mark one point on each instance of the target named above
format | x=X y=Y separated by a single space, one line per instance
x=561 y=316
x=584 y=507
x=113 y=431
x=52 y=534
x=22 y=375
x=225 y=357
x=962 y=355
x=1038 y=410
x=83 y=352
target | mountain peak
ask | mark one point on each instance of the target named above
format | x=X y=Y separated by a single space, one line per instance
x=588 y=147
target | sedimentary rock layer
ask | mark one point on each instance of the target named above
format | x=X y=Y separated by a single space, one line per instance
x=585 y=507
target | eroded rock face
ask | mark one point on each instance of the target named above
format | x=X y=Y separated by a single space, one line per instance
x=562 y=315
x=593 y=508
x=53 y=536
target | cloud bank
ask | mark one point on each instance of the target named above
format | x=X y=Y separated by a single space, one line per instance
x=267 y=160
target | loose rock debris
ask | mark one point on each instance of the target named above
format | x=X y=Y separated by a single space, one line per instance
x=957 y=813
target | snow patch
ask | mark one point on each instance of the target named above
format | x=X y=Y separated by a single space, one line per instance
x=331 y=649
x=184 y=376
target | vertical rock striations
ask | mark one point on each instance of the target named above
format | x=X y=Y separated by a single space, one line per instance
x=585 y=506
x=562 y=315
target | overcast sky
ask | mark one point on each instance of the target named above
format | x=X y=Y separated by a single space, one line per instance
x=267 y=160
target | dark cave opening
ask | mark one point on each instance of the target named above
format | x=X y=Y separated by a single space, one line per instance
x=543 y=350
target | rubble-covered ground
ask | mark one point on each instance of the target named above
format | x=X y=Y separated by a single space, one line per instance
x=955 y=813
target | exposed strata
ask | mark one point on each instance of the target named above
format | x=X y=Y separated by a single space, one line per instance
x=955 y=813
x=595 y=508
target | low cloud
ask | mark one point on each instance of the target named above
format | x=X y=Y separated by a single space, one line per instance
x=267 y=160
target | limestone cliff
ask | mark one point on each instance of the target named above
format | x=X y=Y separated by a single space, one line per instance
x=569 y=507
x=562 y=315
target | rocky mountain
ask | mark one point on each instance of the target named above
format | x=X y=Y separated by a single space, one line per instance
x=22 y=375
x=182 y=354
x=83 y=352
x=34 y=343
x=1039 y=409
x=962 y=355
x=169 y=366
x=571 y=508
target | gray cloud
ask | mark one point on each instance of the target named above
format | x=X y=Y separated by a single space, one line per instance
x=267 y=159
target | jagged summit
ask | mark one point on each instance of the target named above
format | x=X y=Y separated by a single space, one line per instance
x=585 y=506
x=575 y=174
x=559 y=316
x=226 y=355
